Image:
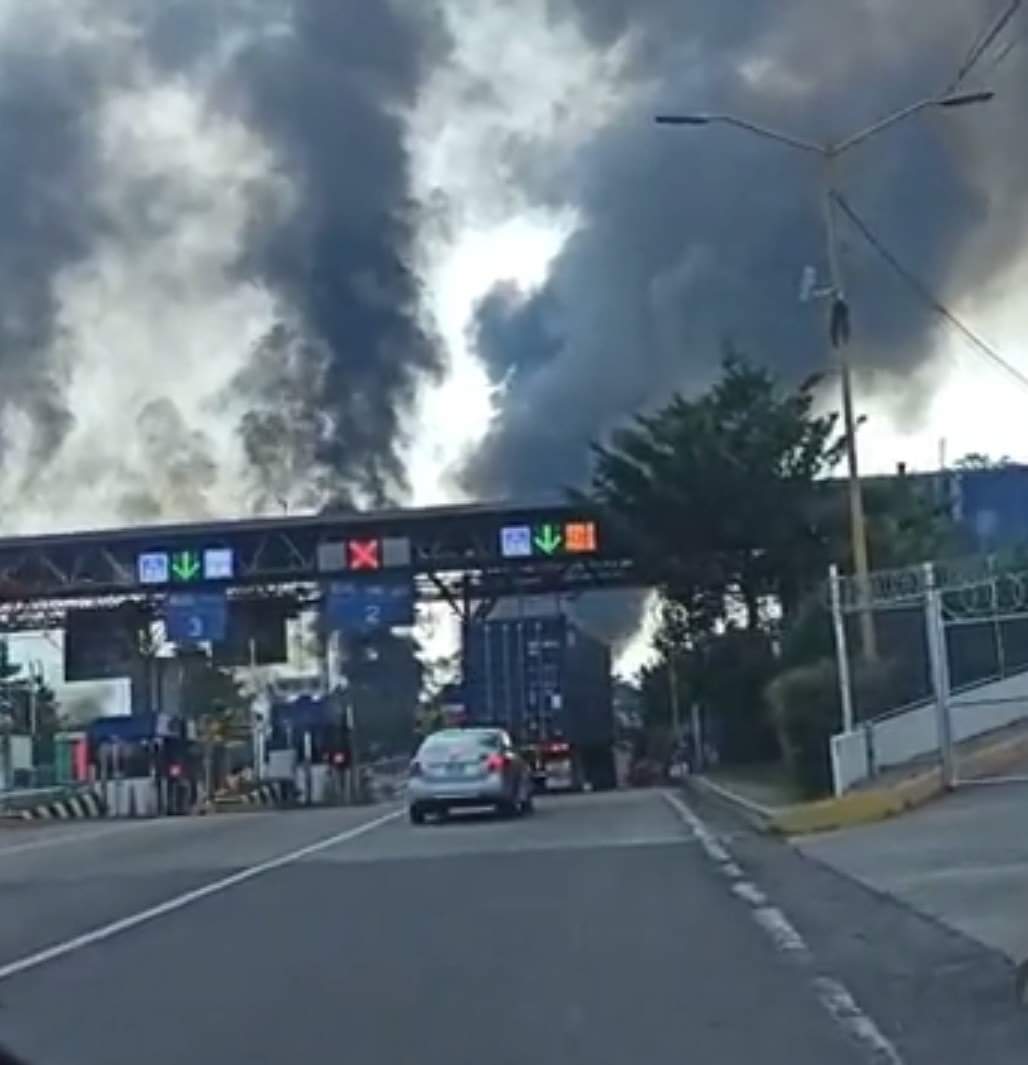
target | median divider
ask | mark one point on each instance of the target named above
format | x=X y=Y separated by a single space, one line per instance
x=272 y=794
x=70 y=807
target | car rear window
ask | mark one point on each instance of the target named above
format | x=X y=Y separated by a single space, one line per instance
x=472 y=743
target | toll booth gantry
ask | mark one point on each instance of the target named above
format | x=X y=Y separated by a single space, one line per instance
x=462 y=554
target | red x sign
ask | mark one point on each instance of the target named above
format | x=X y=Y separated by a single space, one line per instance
x=363 y=554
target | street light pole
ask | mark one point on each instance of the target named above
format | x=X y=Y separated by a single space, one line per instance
x=839 y=325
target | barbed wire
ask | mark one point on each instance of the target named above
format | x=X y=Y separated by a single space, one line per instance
x=982 y=581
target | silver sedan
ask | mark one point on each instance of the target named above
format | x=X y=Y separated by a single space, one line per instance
x=468 y=767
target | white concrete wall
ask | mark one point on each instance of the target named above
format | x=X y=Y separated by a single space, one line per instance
x=912 y=733
x=130 y=797
x=21 y=752
x=973 y=713
x=905 y=736
x=849 y=760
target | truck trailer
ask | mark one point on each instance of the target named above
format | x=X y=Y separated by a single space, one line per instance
x=548 y=683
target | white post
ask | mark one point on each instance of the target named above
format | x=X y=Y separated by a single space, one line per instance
x=841 y=652
x=697 y=737
x=351 y=769
x=308 y=755
x=256 y=723
x=935 y=631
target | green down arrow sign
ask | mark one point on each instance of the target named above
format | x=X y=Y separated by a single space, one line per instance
x=548 y=538
x=185 y=565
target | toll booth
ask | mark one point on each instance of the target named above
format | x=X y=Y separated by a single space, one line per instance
x=145 y=765
x=309 y=746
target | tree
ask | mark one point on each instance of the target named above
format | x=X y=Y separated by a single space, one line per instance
x=906 y=525
x=385 y=679
x=213 y=694
x=718 y=492
x=978 y=460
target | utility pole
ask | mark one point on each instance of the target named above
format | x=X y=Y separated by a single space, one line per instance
x=673 y=693
x=839 y=331
x=839 y=319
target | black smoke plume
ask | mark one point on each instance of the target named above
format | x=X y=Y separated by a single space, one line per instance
x=324 y=85
x=691 y=236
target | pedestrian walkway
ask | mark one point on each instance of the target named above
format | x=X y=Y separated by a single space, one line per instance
x=962 y=859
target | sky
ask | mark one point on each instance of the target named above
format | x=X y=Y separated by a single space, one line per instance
x=268 y=253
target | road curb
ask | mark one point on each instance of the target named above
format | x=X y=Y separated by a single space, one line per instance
x=824 y=815
x=759 y=816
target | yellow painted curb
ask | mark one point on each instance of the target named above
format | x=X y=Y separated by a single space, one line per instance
x=863 y=807
x=857 y=808
x=995 y=759
x=877 y=804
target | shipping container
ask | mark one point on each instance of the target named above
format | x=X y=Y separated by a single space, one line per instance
x=549 y=684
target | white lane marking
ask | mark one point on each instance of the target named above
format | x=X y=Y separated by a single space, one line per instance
x=780 y=929
x=833 y=996
x=178 y=902
x=841 y=1005
x=749 y=893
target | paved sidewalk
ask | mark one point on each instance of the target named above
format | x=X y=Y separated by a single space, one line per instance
x=963 y=859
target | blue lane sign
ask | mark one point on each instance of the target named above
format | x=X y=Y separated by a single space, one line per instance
x=154 y=567
x=354 y=606
x=516 y=541
x=196 y=618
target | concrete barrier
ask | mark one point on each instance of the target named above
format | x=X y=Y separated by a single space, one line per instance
x=81 y=804
x=273 y=793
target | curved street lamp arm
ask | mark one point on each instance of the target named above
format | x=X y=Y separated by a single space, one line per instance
x=739 y=123
x=770 y=134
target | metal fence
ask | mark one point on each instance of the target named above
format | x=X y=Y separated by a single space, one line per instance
x=947 y=680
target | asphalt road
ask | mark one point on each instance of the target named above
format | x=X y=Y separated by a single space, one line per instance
x=598 y=931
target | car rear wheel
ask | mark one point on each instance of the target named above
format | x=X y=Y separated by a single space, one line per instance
x=506 y=809
x=528 y=804
x=417 y=815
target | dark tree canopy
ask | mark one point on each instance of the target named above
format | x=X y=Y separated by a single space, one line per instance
x=718 y=491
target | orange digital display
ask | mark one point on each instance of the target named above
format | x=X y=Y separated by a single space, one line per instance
x=580 y=537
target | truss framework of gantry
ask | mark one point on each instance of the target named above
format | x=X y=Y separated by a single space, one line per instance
x=454 y=554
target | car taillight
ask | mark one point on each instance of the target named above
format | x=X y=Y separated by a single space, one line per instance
x=415 y=769
x=558 y=748
x=495 y=763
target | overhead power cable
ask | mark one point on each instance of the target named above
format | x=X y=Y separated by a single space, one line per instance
x=925 y=294
x=988 y=37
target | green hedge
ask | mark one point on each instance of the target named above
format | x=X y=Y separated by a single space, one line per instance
x=805 y=710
